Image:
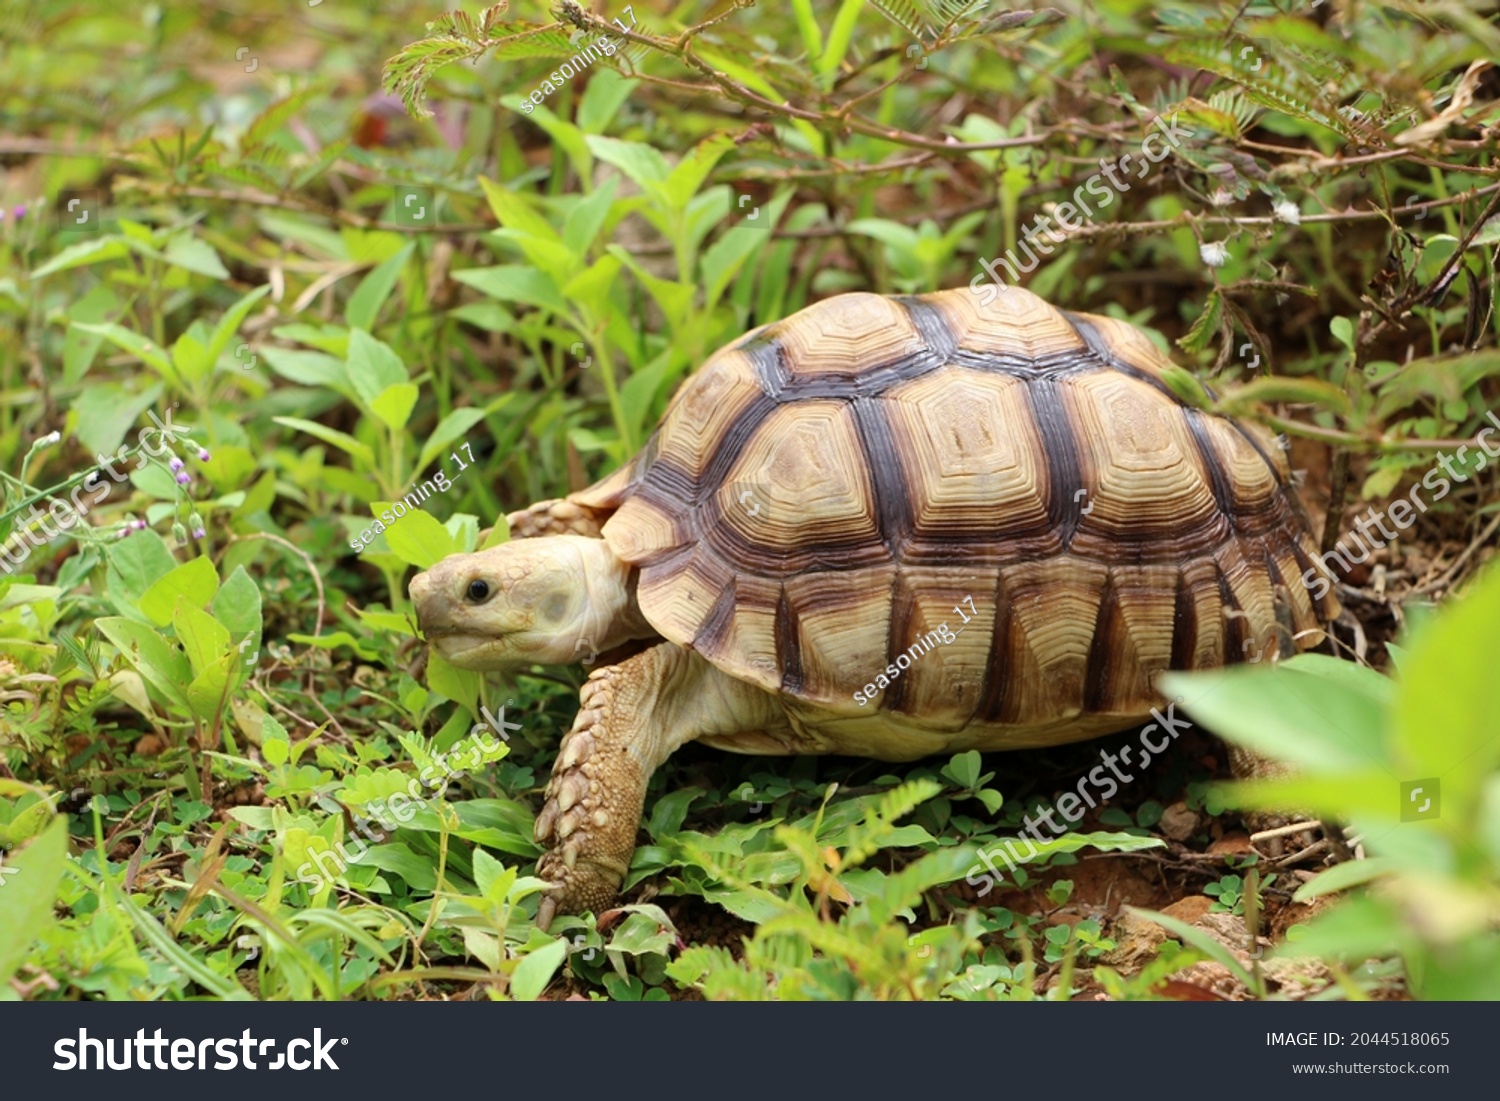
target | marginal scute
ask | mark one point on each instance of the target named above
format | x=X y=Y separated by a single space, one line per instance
x=841 y=491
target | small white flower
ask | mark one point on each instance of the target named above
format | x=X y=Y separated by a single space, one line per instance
x=1213 y=253
x=1221 y=197
x=49 y=439
x=1286 y=211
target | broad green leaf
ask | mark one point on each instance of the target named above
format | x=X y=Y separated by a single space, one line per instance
x=84 y=253
x=32 y=876
x=135 y=564
x=491 y=877
x=344 y=442
x=163 y=666
x=512 y=211
x=516 y=283
x=186 y=251
x=1305 y=716
x=532 y=974
x=587 y=218
x=190 y=357
x=237 y=606
x=335 y=640
x=642 y=163
x=138 y=346
x=103 y=414
x=419 y=540
x=309 y=368
x=398 y=859
x=209 y=690
x=394 y=405
x=1448 y=709
x=203 y=638
x=606 y=93
x=1341 y=877
x=229 y=324
x=373 y=366
x=450 y=428
x=593 y=285
x=373 y=291
x=687 y=178
x=196 y=580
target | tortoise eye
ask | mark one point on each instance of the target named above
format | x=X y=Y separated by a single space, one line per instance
x=479 y=590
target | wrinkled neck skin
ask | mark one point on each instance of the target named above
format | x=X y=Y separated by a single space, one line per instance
x=611 y=616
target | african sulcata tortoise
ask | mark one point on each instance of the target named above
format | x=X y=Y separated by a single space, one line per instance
x=888 y=527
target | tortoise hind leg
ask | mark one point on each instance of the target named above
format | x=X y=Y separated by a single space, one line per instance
x=632 y=717
x=559 y=516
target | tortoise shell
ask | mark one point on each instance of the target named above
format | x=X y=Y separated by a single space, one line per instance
x=833 y=492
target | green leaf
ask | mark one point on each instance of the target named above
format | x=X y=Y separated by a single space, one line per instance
x=136 y=564
x=373 y=366
x=516 y=283
x=641 y=162
x=450 y=428
x=237 y=605
x=162 y=666
x=1307 y=714
x=195 y=580
x=1448 y=707
x=602 y=99
x=209 y=690
x=398 y=859
x=190 y=357
x=82 y=254
x=334 y=641
x=1341 y=877
x=203 y=638
x=587 y=218
x=487 y=872
x=533 y=973
x=687 y=178
x=373 y=291
x=394 y=405
x=419 y=540
x=514 y=212
x=32 y=877
x=138 y=346
x=309 y=368
x=344 y=442
x=188 y=252
x=963 y=769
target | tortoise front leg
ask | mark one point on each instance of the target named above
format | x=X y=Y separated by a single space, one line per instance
x=632 y=717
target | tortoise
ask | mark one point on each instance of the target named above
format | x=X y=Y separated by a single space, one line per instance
x=886 y=526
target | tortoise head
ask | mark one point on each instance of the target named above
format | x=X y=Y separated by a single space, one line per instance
x=552 y=599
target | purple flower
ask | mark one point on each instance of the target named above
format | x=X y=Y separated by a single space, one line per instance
x=203 y=455
x=176 y=464
x=139 y=525
x=199 y=533
x=184 y=478
x=18 y=213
